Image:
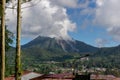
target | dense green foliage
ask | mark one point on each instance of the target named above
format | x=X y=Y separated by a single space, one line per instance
x=8 y=38
x=109 y=57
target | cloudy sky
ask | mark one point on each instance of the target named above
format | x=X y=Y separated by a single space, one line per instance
x=95 y=22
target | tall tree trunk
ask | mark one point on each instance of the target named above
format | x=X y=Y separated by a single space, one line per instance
x=2 y=76
x=18 y=47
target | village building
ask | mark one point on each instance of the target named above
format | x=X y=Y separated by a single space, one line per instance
x=26 y=75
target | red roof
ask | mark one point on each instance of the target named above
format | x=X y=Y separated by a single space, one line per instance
x=13 y=77
x=64 y=75
x=10 y=78
x=105 y=77
x=117 y=79
x=55 y=76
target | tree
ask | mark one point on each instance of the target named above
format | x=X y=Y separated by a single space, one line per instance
x=2 y=76
x=5 y=39
x=18 y=47
x=8 y=39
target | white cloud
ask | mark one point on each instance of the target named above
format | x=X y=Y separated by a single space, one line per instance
x=49 y=17
x=99 y=2
x=68 y=3
x=72 y=3
x=45 y=19
x=101 y=42
x=108 y=15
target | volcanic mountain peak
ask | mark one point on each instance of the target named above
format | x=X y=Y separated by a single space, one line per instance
x=62 y=45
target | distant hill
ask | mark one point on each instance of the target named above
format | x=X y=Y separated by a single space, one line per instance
x=52 y=44
x=108 y=51
x=106 y=57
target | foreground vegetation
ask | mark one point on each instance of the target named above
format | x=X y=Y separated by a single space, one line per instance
x=96 y=64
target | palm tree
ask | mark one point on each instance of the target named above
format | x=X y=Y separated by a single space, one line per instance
x=2 y=76
x=18 y=47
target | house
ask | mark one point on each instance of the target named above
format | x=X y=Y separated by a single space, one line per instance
x=26 y=75
x=117 y=79
x=10 y=78
x=102 y=77
x=62 y=76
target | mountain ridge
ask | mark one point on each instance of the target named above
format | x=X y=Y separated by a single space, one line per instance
x=45 y=49
x=63 y=45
